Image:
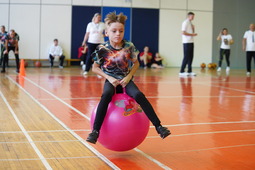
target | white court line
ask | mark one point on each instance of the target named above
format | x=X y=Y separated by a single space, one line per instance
x=82 y=157
x=205 y=133
x=92 y=149
x=42 y=158
x=152 y=159
x=173 y=125
x=160 y=165
x=151 y=97
x=229 y=88
x=68 y=105
x=223 y=147
x=186 y=134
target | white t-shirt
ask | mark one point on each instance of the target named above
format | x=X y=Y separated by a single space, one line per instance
x=250 y=40
x=96 y=32
x=225 y=41
x=187 y=27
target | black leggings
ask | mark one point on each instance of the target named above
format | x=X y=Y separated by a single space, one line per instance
x=225 y=52
x=131 y=90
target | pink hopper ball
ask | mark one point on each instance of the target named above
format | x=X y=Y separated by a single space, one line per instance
x=125 y=125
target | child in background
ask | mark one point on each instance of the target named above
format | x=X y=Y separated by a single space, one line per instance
x=157 y=62
x=112 y=62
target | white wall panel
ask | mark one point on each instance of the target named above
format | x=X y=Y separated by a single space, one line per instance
x=145 y=3
x=55 y=25
x=25 y=1
x=170 y=42
x=203 y=42
x=117 y=3
x=88 y=2
x=25 y=20
x=202 y=5
x=61 y=2
x=4 y=15
x=4 y=1
x=173 y=4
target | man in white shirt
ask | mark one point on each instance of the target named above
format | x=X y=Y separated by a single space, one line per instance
x=188 y=32
x=56 y=52
x=249 y=47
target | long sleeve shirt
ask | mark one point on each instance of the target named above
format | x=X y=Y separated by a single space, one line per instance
x=56 y=50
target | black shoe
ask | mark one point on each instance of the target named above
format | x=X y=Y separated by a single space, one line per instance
x=17 y=71
x=92 y=138
x=2 y=71
x=163 y=131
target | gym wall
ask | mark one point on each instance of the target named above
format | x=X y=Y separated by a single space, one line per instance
x=236 y=15
x=156 y=23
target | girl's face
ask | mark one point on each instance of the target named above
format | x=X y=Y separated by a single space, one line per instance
x=225 y=32
x=115 y=32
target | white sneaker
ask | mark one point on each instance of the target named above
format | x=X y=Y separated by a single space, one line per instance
x=183 y=74
x=227 y=69
x=248 y=73
x=192 y=74
x=83 y=67
x=61 y=67
x=219 y=69
x=85 y=73
x=82 y=63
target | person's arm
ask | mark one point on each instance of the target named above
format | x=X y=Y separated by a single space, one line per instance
x=6 y=46
x=219 y=36
x=126 y=79
x=188 y=34
x=96 y=69
x=244 y=44
x=51 y=51
x=86 y=37
x=16 y=47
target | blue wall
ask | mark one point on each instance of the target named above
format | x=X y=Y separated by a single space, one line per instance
x=142 y=26
x=125 y=11
x=145 y=28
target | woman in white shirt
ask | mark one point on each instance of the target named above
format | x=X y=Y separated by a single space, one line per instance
x=226 y=40
x=93 y=37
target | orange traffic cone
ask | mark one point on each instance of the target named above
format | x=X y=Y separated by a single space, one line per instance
x=22 y=68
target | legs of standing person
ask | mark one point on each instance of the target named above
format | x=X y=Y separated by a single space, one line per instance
x=185 y=57
x=248 y=61
x=102 y=107
x=51 y=60
x=227 y=55
x=61 y=58
x=17 y=62
x=190 y=53
x=91 y=49
x=221 y=58
x=4 y=62
x=2 y=54
x=133 y=91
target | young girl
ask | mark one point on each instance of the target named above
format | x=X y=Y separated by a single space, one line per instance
x=226 y=41
x=112 y=62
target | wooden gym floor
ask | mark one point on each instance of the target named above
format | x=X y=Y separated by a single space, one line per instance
x=44 y=121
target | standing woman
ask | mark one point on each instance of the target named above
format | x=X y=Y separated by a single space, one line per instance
x=226 y=41
x=93 y=37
